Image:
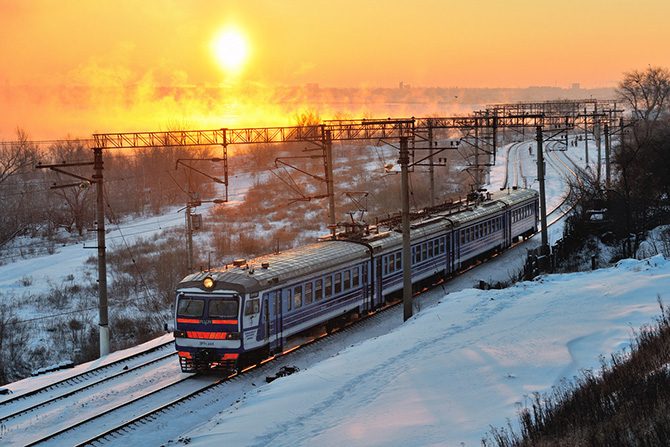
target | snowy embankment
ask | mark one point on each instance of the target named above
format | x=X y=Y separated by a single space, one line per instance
x=455 y=369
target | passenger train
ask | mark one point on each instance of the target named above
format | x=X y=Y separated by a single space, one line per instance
x=247 y=311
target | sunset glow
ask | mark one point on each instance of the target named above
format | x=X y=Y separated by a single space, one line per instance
x=257 y=62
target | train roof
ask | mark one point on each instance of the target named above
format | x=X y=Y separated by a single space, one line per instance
x=265 y=271
x=279 y=268
x=437 y=222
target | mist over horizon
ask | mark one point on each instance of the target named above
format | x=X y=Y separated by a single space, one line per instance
x=77 y=111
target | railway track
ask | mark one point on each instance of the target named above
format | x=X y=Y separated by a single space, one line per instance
x=93 y=375
x=560 y=165
x=89 y=385
x=507 y=165
x=210 y=386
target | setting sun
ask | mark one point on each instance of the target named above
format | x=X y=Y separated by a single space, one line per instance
x=230 y=49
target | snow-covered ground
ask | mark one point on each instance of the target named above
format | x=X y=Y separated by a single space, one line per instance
x=453 y=370
x=465 y=362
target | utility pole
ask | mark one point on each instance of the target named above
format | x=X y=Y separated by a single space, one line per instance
x=586 y=138
x=431 y=167
x=189 y=238
x=543 y=200
x=596 y=135
x=607 y=155
x=477 y=177
x=495 y=138
x=102 y=256
x=103 y=319
x=327 y=144
x=406 y=246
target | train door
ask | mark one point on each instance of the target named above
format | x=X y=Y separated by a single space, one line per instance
x=449 y=253
x=456 y=249
x=378 y=281
x=274 y=304
x=365 y=287
x=507 y=223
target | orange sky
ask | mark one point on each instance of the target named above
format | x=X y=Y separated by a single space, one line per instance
x=120 y=46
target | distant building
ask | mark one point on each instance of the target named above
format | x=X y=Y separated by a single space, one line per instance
x=575 y=86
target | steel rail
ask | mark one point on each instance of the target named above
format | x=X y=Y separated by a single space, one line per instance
x=79 y=377
x=85 y=387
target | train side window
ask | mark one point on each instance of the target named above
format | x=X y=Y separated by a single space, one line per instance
x=424 y=251
x=398 y=261
x=308 y=293
x=297 y=297
x=289 y=299
x=355 y=278
x=462 y=233
x=442 y=244
x=318 y=289
x=347 y=279
x=385 y=265
x=329 y=286
x=338 y=282
x=430 y=249
x=251 y=307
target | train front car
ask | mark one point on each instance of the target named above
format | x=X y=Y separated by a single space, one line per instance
x=207 y=323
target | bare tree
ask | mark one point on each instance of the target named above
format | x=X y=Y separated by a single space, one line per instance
x=647 y=93
x=17 y=156
x=642 y=161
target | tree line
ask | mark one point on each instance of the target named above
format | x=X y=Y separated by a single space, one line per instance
x=140 y=182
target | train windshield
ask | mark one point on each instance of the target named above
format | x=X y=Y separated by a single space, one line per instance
x=190 y=307
x=223 y=308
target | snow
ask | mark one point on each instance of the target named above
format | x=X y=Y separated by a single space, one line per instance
x=466 y=361
x=454 y=369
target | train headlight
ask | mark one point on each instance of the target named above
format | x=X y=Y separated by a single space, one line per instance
x=208 y=283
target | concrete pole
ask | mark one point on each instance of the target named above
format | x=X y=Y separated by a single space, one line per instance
x=406 y=243
x=330 y=188
x=543 y=199
x=586 y=138
x=495 y=138
x=103 y=315
x=607 y=155
x=189 y=238
x=478 y=179
x=596 y=134
x=431 y=167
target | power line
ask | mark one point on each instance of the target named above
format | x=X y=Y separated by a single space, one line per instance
x=132 y=258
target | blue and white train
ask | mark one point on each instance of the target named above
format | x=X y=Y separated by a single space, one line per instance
x=247 y=311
